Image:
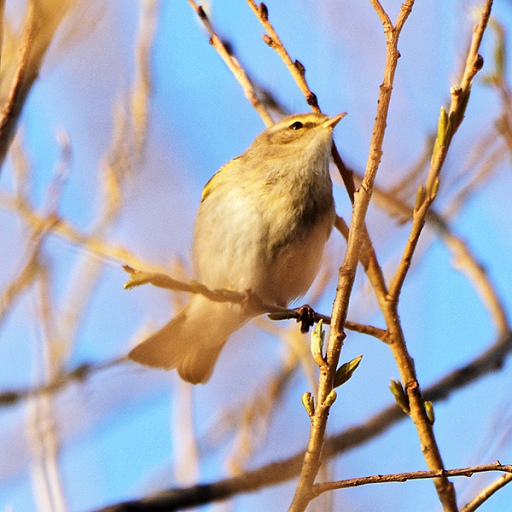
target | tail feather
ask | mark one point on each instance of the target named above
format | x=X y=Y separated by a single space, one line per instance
x=159 y=350
x=192 y=341
x=198 y=364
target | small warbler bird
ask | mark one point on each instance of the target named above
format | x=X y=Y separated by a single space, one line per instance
x=262 y=226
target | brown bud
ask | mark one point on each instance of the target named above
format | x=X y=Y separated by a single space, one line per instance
x=201 y=13
x=300 y=67
x=479 y=63
x=268 y=40
x=263 y=11
x=312 y=100
x=228 y=46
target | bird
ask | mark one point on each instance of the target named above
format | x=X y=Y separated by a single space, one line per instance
x=262 y=225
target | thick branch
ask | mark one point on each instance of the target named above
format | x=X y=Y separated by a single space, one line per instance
x=356 y=239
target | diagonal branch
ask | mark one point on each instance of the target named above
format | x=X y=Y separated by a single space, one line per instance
x=42 y=21
x=486 y=493
x=233 y=64
x=448 y=125
x=273 y=40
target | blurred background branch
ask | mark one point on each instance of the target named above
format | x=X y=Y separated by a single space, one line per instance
x=21 y=64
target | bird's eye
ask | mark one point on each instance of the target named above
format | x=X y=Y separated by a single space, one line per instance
x=297 y=125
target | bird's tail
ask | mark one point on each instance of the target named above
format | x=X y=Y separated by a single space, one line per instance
x=191 y=342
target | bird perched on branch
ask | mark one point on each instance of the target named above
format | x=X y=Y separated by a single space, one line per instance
x=262 y=226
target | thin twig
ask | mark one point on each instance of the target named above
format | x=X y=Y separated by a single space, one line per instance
x=389 y=306
x=466 y=261
x=120 y=163
x=232 y=64
x=448 y=125
x=383 y=15
x=44 y=422
x=411 y=475
x=12 y=105
x=249 y=300
x=58 y=383
x=273 y=40
x=484 y=173
x=2 y=14
x=70 y=234
x=486 y=493
x=142 y=86
x=298 y=72
x=29 y=271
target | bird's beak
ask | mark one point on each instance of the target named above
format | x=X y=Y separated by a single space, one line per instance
x=333 y=121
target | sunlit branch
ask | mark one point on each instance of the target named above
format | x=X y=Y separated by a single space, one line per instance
x=233 y=64
x=411 y=475
x=248 y=300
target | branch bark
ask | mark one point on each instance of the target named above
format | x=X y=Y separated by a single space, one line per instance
x=356 y=238
x=41 y=22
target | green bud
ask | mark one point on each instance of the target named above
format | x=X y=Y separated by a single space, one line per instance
x=420 y=198
x=442 y=127
x=429 y=409
x=309 y=403
x=435 y=188
x=317 y=341
x=330 y=399
x=346 y=370
x=400 y=395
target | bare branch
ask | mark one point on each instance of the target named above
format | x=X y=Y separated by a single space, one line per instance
x=42 y=21
x=412 y=475
x=486 y=493
x=448 y=125
x=357 y=237
x=233 y=64
x=383 y=15
x=68 y=233
x=58 y=383
x=273 y=40
x=29 y=271
x=2 y=13
x=303 y=314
